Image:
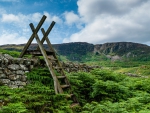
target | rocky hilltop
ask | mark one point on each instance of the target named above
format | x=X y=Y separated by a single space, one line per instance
x=75 y=51
x=121 y=48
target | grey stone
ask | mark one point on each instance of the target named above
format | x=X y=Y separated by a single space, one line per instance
x=27 y=62
x=6 y=61
x=23 y=78
x=1 y=71
x=18 y=61
x=18 y=77
x=1 y=56
x=23 y=83
x=13 y=86
x=5 y=81
x=13 y=77
x=8 y=72
x=14 y=67
x=2 y=75
x=18 y=83
x=35 y=61
x=12 y=83
x=20 y=72
x=8 y=56
x=31 y=67
x=23 y=67
x=20 y=86
x=26 y=71
x=14 y=72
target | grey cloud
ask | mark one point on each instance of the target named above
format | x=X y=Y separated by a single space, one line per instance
x=122 y=20
x=93 y=8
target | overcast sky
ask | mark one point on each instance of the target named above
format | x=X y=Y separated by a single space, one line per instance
x=92 y=21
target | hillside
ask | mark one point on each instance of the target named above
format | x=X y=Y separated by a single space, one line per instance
x=82 y=51
x=102 y=90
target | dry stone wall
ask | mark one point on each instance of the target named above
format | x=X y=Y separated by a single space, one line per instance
x=74 y=67
x=12 y=70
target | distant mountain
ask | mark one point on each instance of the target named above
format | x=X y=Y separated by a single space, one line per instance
x=77 y=51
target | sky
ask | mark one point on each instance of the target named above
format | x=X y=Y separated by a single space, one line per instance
x=92 y=21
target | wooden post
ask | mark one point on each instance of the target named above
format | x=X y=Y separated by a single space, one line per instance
x=56 y=83
x=46 y=33
x=50 y=46
x=32 y=36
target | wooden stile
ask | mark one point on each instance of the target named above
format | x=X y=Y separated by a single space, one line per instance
x=49 y=57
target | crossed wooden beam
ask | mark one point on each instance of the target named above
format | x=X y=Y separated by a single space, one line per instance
x=41 y=48
x=35 y=35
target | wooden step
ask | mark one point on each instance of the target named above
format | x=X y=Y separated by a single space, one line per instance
x=61 y=77
x=37 y=52
x=58 y=68
x=65 y=86
x=53 y=59
x=74 y=105
x=70 y=96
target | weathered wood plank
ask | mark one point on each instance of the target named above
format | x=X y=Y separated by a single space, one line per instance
x=32 y=36
x=57 y=86
x=37 y=52
x=45 y=35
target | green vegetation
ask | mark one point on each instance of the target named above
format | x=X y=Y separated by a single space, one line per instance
x=12 y=53
x=104 y=90
x=37 y=97
x=100 y=91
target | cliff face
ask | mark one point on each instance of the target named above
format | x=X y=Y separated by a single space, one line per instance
x=121 y=48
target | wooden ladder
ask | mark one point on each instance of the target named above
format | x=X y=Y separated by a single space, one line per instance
x=61 y=83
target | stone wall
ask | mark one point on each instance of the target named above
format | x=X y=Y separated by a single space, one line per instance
x=12 y=70
x=75 y=67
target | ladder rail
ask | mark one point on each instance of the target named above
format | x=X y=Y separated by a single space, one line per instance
x=32 y=36
x=46 y=34
x=59 y=64
x=56 y=83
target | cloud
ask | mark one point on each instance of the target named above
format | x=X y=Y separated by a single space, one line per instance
x=34 y=17
x=51 y=18
x=113 y=20
x=90 y=9
x=15 y=27
x=22 y=21
x=10 y=18
x=12 y=38
x=71 y=17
